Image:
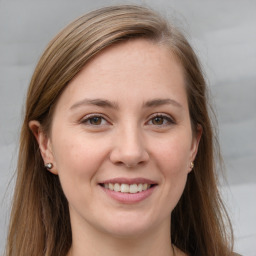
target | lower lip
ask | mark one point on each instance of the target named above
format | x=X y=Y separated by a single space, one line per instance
x=129 y=198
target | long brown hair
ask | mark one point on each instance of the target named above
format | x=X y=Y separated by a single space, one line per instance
x=40 y=223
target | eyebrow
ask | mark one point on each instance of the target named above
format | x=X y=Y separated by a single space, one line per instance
x=108 y=104
x=160 y=102
x=96 y=102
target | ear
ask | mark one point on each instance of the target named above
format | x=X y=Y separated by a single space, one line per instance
x=195 y=143
x=44 y=143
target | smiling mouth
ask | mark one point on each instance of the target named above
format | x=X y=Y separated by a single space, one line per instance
x=127 y=188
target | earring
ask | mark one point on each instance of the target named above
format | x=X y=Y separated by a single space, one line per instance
x=48 y=166
x=191 y=165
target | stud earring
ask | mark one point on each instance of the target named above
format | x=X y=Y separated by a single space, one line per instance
x=191 y=165
x=48 y=166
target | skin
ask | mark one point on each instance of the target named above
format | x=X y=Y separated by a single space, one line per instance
x=131 y=138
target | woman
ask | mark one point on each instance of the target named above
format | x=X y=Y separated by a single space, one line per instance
x=117 y=149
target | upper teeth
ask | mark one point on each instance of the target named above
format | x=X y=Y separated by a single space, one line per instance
x=126 y=188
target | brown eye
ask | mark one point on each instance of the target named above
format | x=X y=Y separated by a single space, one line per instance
x=158 y=120
x=161 y=120
x=96 y=120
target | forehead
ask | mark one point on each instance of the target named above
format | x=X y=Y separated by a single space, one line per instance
x=139 y=69
x=131 y=55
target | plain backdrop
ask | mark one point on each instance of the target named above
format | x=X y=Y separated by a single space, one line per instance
x=223 y=34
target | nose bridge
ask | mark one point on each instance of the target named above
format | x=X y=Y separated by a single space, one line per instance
x=129 y=146
x=130 y=140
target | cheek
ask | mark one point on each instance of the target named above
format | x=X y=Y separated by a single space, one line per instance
x=173 y=155
x=172 y=160
x=77 y=161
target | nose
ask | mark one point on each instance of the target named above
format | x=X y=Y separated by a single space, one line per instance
x=129 y=149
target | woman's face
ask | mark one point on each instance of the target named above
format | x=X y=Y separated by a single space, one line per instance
x=123 y=123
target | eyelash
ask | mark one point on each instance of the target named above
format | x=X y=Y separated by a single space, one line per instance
x=166 y=118
x=90 y=117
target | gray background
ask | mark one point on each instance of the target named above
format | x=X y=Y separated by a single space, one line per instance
x=223 y=33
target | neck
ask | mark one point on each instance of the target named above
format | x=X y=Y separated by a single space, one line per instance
x=94 y=242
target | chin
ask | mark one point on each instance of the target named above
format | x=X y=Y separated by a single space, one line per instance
x=127 y=232
x=129 y=226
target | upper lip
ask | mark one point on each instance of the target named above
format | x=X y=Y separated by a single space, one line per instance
x=129 y=181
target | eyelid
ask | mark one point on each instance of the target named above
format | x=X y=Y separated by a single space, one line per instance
x=167 y=117
x=89 y=116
